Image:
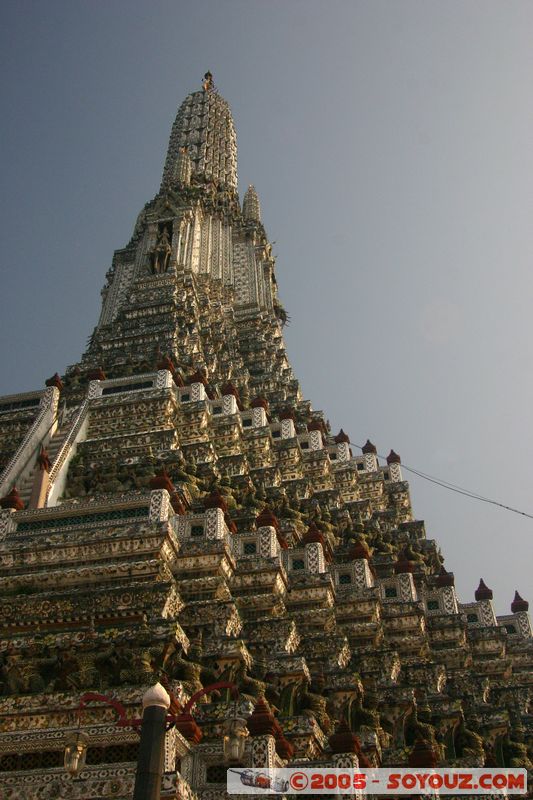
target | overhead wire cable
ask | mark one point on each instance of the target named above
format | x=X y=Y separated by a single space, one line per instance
x=452 y=487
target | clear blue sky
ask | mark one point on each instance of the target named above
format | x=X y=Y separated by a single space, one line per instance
x=391 y=146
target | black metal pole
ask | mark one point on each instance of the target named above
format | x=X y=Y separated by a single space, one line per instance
x=151 y=749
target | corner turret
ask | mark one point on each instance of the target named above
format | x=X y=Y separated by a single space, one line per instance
x=251 y=208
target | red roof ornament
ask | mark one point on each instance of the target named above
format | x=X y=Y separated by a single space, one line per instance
x=368 y=447
x=422 y=755
x=259 y=402
x=56 y=381
x=262 y=722
x=519 y=604
x=342 y=437
x=161 y=480
x=316 y=425
x=483 y=592
x=360 y=550
x=313 y=534
x=12 y=500
x=403 y=564
x=216 y=500
x=343 y=740
x=230 y=388
x=166 y=363
x=189 y=728
x=197 y=377
x=267 y=519
x=284 y=748
x=393 y=458
x=445 y=578
x=287 y=413
x=96 y=374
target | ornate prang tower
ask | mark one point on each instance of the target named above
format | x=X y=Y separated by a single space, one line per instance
x=174 y=511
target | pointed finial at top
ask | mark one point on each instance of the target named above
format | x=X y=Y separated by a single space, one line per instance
x=207 y=83
x=369 y=448
x=342 y=437
x=262 y=722
x=483 y=592
x=393 y=458
x=519 y=604
x=445 y=578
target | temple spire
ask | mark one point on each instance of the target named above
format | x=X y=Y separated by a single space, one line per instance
x=204 y=126
x=251 y=208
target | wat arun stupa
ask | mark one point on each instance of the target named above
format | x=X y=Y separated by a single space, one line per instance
x=174 y=511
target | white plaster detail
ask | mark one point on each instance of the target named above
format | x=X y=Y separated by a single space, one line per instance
x=488 y=617
x=371 y=462
x=229 y=404
x=263 y=751
x=343 y=451
x=395 y=472
x=314 y=558
x=287 y=429
x=197 y=392
x=159 y=505
x=268 y=542
x=363 y=578
x=259 y=417
x=449 y=599
x=215 y=527
x=315 y=440
x=95 y=390
x=407 y=587
x=164 y=379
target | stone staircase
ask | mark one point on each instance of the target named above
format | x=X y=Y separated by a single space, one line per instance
x=54 y=446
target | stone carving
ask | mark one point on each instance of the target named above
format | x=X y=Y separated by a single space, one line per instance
x=160 y=255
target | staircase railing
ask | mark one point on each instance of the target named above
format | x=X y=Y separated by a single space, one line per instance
x=66 y=451
x=32 y=441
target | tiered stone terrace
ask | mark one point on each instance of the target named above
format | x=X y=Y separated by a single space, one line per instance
x=184 y=515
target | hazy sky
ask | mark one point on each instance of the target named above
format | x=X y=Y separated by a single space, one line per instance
x=391 y=144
